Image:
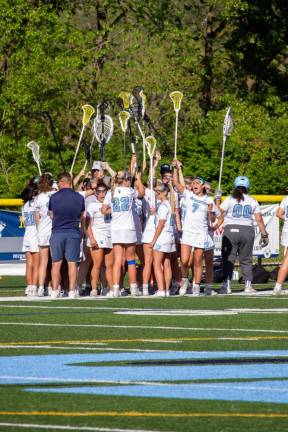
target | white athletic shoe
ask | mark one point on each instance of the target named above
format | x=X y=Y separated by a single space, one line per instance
x=116 y=292
x=183 y=287
x=55 y=294
x=160 y=293
x=73 y=294
x=277 y=290
x=167 y=293
x=93 y=293
x=145 y=292
x=33 y=291
x=41 y=291
x=249 y=289
x=27 y=290
x=134 y=291
x=196 y=290
x=110 y=293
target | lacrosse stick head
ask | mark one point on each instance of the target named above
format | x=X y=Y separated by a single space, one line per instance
x=150 y=142
x=228 y=125
x=124 y=116
x=125 y=96
x=88 y=111
x=144 y=102
x=176 y=97
x=34 y=147
x=103 y=129
x=139 y=95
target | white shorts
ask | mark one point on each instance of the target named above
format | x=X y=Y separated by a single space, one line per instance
x=148 y=236
x=284 y=239
x=125 y=236
x=196 y=240
x=30 y=245
x=103 y=240
x=165 y=243
x=44 y=239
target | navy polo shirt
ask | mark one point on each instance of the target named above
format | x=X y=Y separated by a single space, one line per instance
x=67 y=207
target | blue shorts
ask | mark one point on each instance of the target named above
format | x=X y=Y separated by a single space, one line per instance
x=65 y=245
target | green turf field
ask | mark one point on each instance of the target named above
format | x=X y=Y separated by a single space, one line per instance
x=174 y=364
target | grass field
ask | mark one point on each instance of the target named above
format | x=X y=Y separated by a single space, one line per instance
x=172 y=364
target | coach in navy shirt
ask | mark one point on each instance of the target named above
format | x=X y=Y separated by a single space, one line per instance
x=66 y=209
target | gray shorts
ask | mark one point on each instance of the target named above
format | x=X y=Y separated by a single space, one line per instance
x=65 y=245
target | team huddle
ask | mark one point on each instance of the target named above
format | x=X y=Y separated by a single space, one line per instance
x=100 y=227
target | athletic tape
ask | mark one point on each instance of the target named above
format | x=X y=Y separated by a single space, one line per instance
x=131 y=262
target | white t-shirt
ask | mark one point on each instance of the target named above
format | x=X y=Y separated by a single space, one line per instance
x=121 y=206
x=284 y=206
x=41 y=206
x=164 y=213
x=149 y=201
x=196 y=216
x=99 y=222
x=28 y=213
x=239 y=213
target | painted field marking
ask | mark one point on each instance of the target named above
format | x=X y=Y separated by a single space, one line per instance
x=164 y=340
x=250 y=330
x=143 y=414
x=73 y=348
x=70 y=428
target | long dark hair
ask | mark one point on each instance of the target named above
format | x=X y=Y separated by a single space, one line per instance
x=28 y=193
x=239 y=192
x=45 y=183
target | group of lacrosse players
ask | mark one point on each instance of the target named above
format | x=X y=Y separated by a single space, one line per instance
x=158 y=235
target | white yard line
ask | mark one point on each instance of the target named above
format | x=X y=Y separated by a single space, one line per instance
x=69 y=428
x=250 y=330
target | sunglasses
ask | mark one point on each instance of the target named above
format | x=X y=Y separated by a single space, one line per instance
x=100 y=190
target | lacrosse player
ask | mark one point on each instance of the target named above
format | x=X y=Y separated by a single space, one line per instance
x=282 y=213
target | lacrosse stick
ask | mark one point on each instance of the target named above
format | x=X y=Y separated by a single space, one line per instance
x=151 y=146
x=176 y=97
x=136 y=112
x=124 y=117
x=88 y=111
x=227 y=130
x=125 y=97
x=34 y=147
x=103 y=128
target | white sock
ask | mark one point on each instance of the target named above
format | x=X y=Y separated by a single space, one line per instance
x=116 y=287
x=278 y=286
x=195 y=285
x=133 y=285
x=145 y=286
x=185 y=281
x=247 y=284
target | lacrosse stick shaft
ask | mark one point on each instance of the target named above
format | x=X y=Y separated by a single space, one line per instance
x=221 y=163
x=77 y=149
x=39 y=169
x=176 y=136
x=151 y=181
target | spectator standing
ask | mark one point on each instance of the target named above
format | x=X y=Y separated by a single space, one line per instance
x=66 y=209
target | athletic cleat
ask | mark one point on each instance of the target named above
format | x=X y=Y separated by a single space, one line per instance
x=225 y=289
x=73 y=294
x=110 y=294
x=277 y=290
x=27 y=290
x=208 y=291
x=249 y=290
x=134 y=291
x=167 y=293
x=182 y=290
x=93 y=293
x=116 y=292
x=145 y=292
x=33 y=291
x=41 y=291
x=55 y=294
x=196 y=291
x=160 y=294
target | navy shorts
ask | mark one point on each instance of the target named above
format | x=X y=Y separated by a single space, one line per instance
x=65 y=245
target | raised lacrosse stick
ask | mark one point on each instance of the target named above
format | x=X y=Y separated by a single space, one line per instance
x=227 y=130
x=125 y=97
x=34 y=147
x=137 y=107
x=124 y=117
x=150 y=143
x=88 y=111
x=176 y=97
x=103 y=129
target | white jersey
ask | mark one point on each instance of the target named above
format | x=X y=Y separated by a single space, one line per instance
x=182 y=206
x=30 y=236
x=164 y=213
x=284 y=206
x=121 y=207
x=239 y=213
x=196 y=216
x=99 y=222
x=41 y=207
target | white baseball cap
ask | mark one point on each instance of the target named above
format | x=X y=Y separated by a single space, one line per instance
x=96 y=165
